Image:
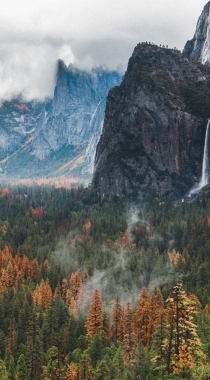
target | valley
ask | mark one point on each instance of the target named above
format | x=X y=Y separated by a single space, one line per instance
x=105 y=221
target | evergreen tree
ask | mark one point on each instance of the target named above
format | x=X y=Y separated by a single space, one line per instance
x=85 y=369
x=34 y=351
x=94 y=323
x=183 y=343
x=96 y=350
x=118 y=364
x=118 y=321
x=158 y=353
x=102 y=371
x=144 y=317
x=71 y=341
x=130 y=337
x=3 y=371
x=50 y=328
x=21 y=368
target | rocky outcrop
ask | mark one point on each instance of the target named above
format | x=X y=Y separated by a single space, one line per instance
x=58 y=136
x=154 y=128
x=198 y=49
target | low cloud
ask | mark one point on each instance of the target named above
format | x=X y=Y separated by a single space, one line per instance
x=85 y=33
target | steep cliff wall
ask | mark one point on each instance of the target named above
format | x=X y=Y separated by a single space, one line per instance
x=154 y=128
x=58 y=136
x=198 y=49
x=77 y=108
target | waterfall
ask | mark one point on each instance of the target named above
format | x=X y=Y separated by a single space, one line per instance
x=205 y=164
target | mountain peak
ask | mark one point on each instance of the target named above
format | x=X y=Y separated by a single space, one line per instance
x=154 y=127
x=198 y=49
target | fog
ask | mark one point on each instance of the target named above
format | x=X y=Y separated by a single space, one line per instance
x=85 y=33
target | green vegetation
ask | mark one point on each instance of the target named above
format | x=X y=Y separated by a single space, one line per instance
x=196 y=96
x=63 y=255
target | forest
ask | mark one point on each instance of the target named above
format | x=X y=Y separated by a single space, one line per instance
x=103 y=291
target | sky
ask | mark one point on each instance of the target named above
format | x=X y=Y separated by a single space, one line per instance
x=86 y=33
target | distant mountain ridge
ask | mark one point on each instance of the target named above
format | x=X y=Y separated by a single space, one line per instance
x=57 y=136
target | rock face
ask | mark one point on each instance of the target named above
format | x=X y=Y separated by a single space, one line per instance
x=154 y=128
x=198 y=49
x=58 y=136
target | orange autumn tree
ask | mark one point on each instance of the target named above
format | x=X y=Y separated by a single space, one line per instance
x=207 y=309
x=34 y=270
x=75 y=283
x=4 y=281
x=72 y=372
x=106 y=325
x=94 y=322
x=176 y=258
x=183 y=344
x=77 y=287
x=36 y=213
x=118 y=321
x=86 y=229
x=21 y=266
x=42 y=295
x=144 y=317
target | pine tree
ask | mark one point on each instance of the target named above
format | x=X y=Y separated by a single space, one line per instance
x=140 y=360
x=75 y=283
x=183 y=343
x=118 y=364
x=106 y=325
x=34 y=349
x=21 y=368
x=34 y=270
x=10 y=365
x=57 y=293
x=96 y=350
x=3 y=371
x=50 y=328
x=158 y=353
x=85 y=369
x=53 y=368
x=46 y=293
x=118 y=321
x=72 y=372
x=71 y=341
x=11 y=370
x=64 y=288
x=102 y=371
x=144 y=317
x=94 y=322
x=130 y=338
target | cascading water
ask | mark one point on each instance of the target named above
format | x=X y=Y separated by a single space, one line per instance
x=205 y=165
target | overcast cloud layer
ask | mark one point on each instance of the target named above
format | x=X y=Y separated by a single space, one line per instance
x=87 y=33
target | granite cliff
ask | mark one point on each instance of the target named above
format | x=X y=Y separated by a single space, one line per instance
x=154 y=128
x=198 y=49
x=57 y=136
